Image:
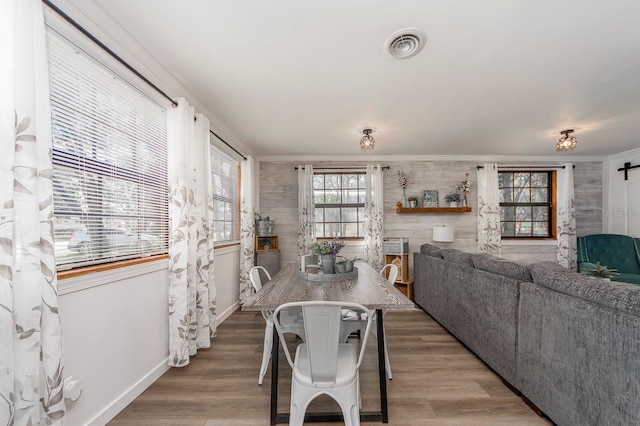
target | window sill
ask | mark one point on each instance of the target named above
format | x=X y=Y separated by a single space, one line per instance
x=93 y=276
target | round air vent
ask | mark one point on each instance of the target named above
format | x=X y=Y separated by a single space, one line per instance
x=405 y=43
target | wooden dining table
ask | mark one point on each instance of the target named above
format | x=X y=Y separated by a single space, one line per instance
x=369 y=288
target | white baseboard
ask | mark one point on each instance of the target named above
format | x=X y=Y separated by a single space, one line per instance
x=134 y=391
x=127 y=397
x=224 y=315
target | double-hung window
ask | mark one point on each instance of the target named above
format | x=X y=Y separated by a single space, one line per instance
x=225 y=191
x=339 y=204
x=109 y=162
x=527 y=208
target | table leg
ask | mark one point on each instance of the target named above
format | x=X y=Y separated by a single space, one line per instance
x=274 y=375
x=381 y=367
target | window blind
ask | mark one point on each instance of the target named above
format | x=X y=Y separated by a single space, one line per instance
x=109 y=162
x=224 y=187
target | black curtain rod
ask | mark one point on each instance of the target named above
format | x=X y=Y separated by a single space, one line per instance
x=533 y=166
x=91 y=37
x=115 y=56
x=227 y=144
x=343 y=168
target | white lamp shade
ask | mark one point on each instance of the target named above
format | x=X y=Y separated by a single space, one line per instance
x=443 y=234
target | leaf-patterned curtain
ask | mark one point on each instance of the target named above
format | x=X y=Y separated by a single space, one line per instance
x=374 y=217
x=489 y=229
x=566 y=232
x=306 y=209
x=31 y=378
x=192 y=316
x=247 y=231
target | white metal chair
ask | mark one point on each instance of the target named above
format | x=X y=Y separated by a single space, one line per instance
x=292 y=322
x=324 y=365
x=352 y=322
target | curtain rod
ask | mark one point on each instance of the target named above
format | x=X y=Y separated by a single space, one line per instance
x=344 y=168
x=91 y=37
x=227 y=144
x=115 y=56
x=526 y=166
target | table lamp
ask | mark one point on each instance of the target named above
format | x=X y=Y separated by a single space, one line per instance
x=443 y=234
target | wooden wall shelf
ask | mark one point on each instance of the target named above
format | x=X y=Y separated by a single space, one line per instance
x=400 y=209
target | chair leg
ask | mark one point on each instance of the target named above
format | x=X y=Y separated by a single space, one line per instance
x=266 y=352
x=387 y=364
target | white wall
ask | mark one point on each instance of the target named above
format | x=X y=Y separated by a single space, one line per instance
x=115 y=331
x=622 y=212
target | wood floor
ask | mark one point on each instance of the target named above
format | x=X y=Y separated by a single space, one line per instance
x=436 y=381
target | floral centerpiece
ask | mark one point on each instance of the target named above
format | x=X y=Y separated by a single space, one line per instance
x=327 y=247
x=464 y=186
x=402 y=180
x=327 y=250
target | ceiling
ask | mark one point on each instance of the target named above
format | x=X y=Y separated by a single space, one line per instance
x=497 y=77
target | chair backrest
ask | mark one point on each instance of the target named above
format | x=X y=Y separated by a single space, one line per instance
x=393 y=272
x=322 y=331
x=613 y=250
x=254 y=276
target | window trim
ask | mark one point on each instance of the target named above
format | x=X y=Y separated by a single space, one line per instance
x=347 y=205
x=553 y=187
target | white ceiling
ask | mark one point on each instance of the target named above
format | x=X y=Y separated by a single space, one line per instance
x=497 y=77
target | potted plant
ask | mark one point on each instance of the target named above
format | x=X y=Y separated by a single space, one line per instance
x=327 y=250
x=600 y=271
x=453 y=198
x=413 y=202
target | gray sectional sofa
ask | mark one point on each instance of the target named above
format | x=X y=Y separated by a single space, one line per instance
x=569 y=343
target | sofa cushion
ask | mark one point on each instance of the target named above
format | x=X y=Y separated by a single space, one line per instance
x=457 y=256
x=431 y=250
x=616 y=295
x=627 y=278
x=498 y=265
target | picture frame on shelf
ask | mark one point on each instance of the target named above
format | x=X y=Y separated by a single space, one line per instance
x=430 y=198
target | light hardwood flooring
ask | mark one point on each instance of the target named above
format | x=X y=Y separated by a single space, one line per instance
x=436 y=381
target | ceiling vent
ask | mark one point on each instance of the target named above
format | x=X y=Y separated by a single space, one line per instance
x=405 y=43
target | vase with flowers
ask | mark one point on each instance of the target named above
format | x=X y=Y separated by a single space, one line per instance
x=327 y=251
x=402 y=180
x=464 y=186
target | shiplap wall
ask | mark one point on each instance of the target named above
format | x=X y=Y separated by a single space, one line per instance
x=278 y=188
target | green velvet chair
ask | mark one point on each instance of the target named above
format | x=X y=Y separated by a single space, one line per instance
x=614 y=251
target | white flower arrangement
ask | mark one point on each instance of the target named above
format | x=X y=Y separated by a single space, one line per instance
x=402 y=179
x=465 y=185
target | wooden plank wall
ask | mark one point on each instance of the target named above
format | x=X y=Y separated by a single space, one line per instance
x=278 y=189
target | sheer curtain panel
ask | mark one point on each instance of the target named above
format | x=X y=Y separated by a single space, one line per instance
x=374 y=217
x=489 y=228
x=306 y=209
x=247 y=225
x=31 y=380
x=191 y=277
x=566 y=228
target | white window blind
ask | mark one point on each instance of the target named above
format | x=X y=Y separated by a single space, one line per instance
x=224 y=185
x=109 y=162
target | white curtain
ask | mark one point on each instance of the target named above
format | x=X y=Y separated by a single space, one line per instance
x=566 y=219
x=247 y=225
x=489 y=230
x=31 y=378
x=374 y=217
x=192 y=317
x=306 y=209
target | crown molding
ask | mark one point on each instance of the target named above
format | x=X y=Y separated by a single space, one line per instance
x=402 y=158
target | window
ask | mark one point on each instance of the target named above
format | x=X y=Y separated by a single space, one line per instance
x=224 y=186
x=109 y=162
x=339 y=204
x=526 y=204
